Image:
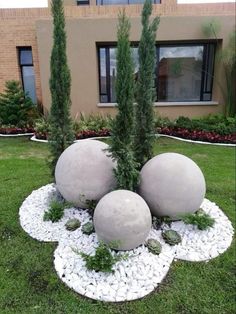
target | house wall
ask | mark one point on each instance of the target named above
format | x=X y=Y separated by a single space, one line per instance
x=88 y=25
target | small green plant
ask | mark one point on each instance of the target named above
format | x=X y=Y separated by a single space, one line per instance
x=171 y=237
x=56 y=210
x=200 y=219
x=103 y=260
x=157 y=222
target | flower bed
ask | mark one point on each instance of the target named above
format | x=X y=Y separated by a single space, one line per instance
x=198 y=135
x=184 y=133
x=16 y=130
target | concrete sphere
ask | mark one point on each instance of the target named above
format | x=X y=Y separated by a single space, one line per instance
x=85 y=172
x=122 y=219
x=172 y=184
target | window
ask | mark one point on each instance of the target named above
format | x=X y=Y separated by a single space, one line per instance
x=123 y=2
x=27 y=72
x=183 y=72
x=82 y=2
x=107 y=72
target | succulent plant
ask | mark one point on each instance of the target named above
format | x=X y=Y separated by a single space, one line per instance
x=171 y=237
x=72 y=224
x=156 y=223
x=154 y=246
x=88 y=228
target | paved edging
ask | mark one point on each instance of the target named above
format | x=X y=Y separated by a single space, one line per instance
x=33 y=138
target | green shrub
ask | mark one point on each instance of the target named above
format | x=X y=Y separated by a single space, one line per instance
x=56 y=210
x=16 y=108
x=160 y=122
x=42 y=125
x=92 y=122
x=211 y=123
x=103 y=260
x=200 y=219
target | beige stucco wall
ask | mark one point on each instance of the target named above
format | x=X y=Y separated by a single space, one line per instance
x=84 y=33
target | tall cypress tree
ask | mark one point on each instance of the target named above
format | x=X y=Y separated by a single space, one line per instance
x=122 y=127
x=145 y=91
x=61 y=133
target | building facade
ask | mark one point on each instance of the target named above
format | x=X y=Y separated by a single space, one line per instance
x=188 y=76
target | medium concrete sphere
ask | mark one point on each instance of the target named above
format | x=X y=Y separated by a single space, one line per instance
x=122 y=219
x=85 y=172
x=172 y=184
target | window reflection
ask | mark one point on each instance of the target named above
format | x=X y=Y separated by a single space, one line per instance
x=179 y=75
x=183 y=73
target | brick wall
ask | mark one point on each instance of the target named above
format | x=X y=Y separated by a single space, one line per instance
x=17 y=29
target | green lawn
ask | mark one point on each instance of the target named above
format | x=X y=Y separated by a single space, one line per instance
x=28 y=281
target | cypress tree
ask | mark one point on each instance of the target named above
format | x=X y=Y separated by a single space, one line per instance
x=122 y=127
x=61 y=133
x=145 y=91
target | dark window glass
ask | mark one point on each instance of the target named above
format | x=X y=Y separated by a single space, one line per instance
x=26 y=56
x=179 y=74
x=27 y=72
x=83 y=2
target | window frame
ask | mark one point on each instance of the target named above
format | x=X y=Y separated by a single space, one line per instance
x=205 y=63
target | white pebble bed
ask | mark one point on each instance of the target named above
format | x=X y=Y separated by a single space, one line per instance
x=134 y=277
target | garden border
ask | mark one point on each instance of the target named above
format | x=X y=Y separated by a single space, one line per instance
x=138 y=275
x=33 y=138
x=16 y=135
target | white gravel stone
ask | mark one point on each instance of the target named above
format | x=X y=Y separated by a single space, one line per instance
x=133 y=278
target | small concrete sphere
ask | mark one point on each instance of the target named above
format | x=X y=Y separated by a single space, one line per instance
x=122 y=219
x=85 y=172
x=172 y=185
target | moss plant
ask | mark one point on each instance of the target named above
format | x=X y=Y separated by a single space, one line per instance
x=200 y=219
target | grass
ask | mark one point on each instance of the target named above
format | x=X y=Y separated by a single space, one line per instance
x=28 y=281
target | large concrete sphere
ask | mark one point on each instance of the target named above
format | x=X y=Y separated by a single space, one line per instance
x=172 y=184
x=122 y=219
x=85 y=172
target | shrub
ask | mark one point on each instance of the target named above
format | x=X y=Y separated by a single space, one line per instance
x=56 y=210
x=91 y=122
x=103 y=260
x=16 y=108
x=42 y=125
x=200 y=219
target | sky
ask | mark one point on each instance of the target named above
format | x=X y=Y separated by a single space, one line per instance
x=43 y=3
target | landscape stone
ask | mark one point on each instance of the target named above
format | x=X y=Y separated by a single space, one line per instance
x=85 y=172
x=122 y=219
x=172 y=185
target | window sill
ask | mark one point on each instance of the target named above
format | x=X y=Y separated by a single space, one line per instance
x=168 y=104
